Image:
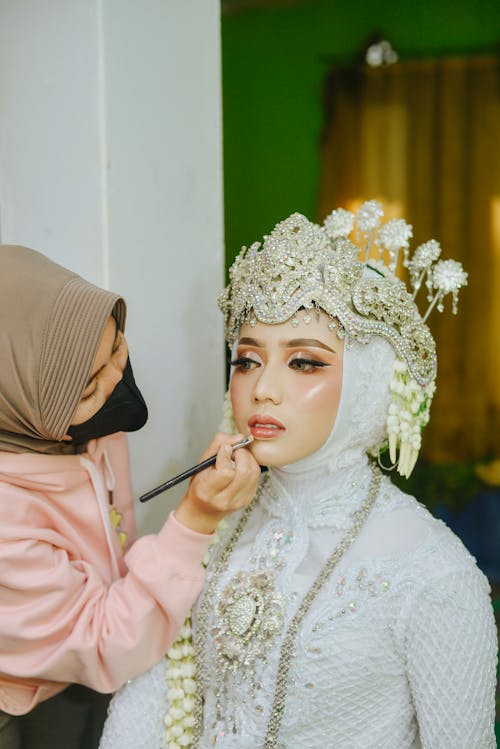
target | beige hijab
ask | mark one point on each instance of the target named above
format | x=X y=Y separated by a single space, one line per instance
x=51 y=324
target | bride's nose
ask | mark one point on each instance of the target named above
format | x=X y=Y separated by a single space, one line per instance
x=268 y=386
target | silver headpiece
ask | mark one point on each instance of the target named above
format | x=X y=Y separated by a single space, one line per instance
x=302 y=265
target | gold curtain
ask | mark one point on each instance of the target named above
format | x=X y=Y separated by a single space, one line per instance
x=423 y=137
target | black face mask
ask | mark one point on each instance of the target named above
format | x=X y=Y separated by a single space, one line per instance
x=124 y=411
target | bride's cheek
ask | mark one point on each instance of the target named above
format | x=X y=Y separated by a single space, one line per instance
x=315 y=393
x=320 y=401
x=237 y=391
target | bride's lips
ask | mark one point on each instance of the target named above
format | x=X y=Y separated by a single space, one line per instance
x=265 y=427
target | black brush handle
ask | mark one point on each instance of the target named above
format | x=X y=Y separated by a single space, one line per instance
x=189 y=472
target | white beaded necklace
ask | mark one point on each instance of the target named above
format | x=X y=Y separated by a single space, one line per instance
x=252 y=610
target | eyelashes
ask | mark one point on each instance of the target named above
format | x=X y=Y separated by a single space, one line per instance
x=306 y=365
x=243 y=363
x=299 y=364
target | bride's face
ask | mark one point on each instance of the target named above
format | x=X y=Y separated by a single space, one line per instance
x=285 y=387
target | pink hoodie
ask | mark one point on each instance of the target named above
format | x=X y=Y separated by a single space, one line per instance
x=73 y=608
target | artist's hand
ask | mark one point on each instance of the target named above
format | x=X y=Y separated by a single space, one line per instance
x=227 y=486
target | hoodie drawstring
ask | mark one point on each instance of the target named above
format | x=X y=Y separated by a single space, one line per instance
x=102 y=498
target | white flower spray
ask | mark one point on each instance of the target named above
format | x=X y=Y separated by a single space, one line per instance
x=181 y=677
x=408 y=414
x=181 y=688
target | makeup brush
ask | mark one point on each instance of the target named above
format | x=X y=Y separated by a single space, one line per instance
x=190 y=472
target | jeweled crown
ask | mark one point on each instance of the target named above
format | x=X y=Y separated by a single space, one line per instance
x=304 y=265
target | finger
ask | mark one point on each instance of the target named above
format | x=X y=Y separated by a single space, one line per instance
x=219 y=481
x=218 y=477
x=239 y=459
x=245 y=479
x=219 y=439
x=224 y=461
x=243 y=457
x=245 y=461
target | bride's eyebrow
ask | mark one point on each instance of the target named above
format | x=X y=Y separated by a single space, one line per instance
x=309 y=342
x=250 y=342
x=293 y=343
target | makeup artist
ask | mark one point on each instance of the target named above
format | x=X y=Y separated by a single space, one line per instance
x=83 y=605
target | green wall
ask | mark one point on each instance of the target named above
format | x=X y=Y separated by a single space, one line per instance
x=274 y=63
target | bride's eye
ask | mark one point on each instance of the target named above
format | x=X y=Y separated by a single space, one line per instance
x=307 y=366
x=244 y=364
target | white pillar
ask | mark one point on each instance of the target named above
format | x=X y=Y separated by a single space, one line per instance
x=111 y=164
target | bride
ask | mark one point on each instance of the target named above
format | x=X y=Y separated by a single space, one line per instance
x=337 y=612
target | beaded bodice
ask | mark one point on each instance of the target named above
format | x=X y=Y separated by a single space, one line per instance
x=351 y=649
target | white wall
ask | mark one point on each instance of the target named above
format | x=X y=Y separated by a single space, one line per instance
x=49 y=131
x=110 y=162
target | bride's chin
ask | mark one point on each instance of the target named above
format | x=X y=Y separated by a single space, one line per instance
x=270 y=454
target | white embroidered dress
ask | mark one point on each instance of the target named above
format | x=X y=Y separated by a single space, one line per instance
x=399 y=648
